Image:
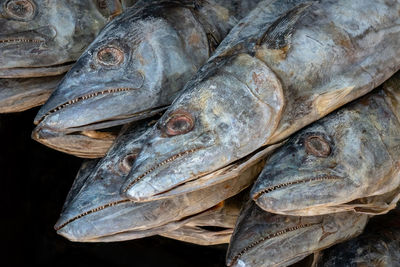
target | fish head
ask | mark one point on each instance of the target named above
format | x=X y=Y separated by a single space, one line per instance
x=39 y=37
x=95 y=211
x=261 y=238
x=131 y=71
x=334 y=161
x=94 y=208
x=216 y=121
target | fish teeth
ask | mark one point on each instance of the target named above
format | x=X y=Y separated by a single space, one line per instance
x=174 y=157
x=252 y=245
x=73 y=101
x=20 y=41
x=318 y=178
x=92 y=211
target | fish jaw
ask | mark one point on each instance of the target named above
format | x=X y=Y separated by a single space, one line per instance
x=21 y=94
x=317 y=192
x=132 y=68
x=84 y=144
x=48 y=39
x=265 y=239
x=225 y=117
x=100 y=110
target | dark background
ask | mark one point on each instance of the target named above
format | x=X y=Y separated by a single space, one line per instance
x=34 y=183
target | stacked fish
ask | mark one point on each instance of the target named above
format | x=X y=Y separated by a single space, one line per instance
x=192 y=102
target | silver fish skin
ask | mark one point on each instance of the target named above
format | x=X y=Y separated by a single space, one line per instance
x=379 y=245
x=136 y=66
x=265 y=239
x=42 y=38
x=94 y=210
x=350 y=154
x=285 y=65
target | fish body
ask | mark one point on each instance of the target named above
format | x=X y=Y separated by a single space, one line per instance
x=379 y=245
x=261 y=238
x=337 y=162
x=136 y=66
x=285 y=65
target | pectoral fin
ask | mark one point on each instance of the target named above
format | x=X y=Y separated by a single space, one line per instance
x=277 y=36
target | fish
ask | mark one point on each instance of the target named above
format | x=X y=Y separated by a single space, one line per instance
x=352 y=153
x=95 y=211
x=20 y=94
x=135 y=67
x=284 y=66
x=40 y=40
x=261 y=238
x=379 y=245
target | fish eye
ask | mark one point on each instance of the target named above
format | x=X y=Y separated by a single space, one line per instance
x=110 y=56
x=20 y=9
x=126 y=163
x=317 y=146
x=180 y=122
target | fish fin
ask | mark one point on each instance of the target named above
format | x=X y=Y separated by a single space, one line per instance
x=330 y=101
x=278 y=35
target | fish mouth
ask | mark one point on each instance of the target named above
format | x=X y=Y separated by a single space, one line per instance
x=268 y=237
x=84 y=144
x=324 y=177
x=253 y=157
x=123 y=119
x=166 y=161
x=59 y=226
x=20 y=40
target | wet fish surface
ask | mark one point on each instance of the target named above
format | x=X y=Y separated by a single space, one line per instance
x=285 y=65
x=261 y=238
x=136 y=66
x=327 y=167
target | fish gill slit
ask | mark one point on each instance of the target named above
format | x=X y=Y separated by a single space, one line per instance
x=168 y=160
x=85 y=97
x=108 y=205
x=270 y=236
x=20 y=40
x=317 y=178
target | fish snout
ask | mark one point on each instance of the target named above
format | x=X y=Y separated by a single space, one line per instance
x=42 y=133
x=37 y=36
x=301 y=193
